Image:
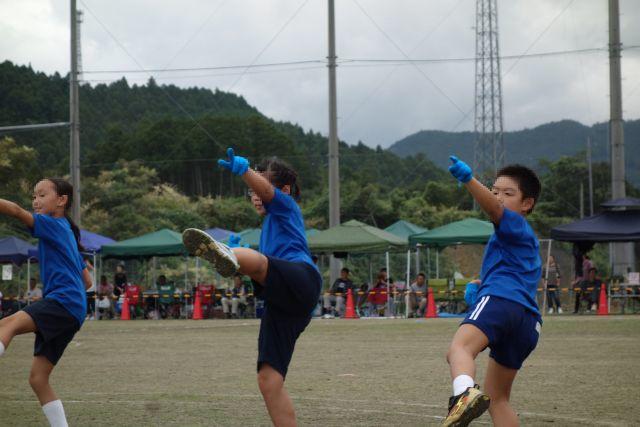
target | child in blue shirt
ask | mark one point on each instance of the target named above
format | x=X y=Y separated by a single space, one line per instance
x=59 y=314
x=505 y=314
x=282 y=271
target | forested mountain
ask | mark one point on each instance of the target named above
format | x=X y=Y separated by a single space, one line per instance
x=549 y=141
x=180 y=133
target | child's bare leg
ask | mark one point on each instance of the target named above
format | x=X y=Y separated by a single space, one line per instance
x=276 y=398
x=16 y=324
x=465 y=346
x=39 y=379
x=252 y=263
x=497 y=385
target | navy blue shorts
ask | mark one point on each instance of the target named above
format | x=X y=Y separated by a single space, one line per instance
x=55 y=328
x=512 y=330
x=291 y=292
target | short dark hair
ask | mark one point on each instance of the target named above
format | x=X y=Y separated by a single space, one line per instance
x=527 y=180
x=280 y=174
x=345 y=269
x=593 y=269
x=422 y=274
x=237 y=274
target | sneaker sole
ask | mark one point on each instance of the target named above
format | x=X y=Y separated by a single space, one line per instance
x=476 y=408
x=200 y=244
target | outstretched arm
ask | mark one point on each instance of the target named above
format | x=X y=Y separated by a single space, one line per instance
x=486 y=199
x=240 y=166
x=12 y=209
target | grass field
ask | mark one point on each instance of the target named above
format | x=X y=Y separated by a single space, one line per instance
x=378 y=372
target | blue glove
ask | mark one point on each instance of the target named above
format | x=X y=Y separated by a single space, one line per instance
x=236 y=164
x=460 y=170
x=471 y=294
x=234 y=241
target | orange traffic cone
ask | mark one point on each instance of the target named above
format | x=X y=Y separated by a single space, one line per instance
x=125 y=314
x=430 y=312
x=603 y=307
x=197 y=308
x=350 y=312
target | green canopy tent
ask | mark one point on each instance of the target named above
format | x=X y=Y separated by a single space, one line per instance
x=164 y=242
x=160 y=243
x=355 y=236
x=404 y=229
x=467 y=231
x=251 y=236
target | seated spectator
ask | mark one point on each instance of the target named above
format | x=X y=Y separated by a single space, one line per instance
x=591 y=289
x=166 y=301
x=377 y=297
x=338 y=293
x=34 y=293
x=234 y=297
x=119 y=281
x=416 y=296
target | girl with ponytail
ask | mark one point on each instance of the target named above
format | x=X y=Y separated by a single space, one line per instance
x=57 y=317
x=282 y=271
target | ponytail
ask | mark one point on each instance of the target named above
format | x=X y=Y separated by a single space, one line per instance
x=63 y=188
x=281 y=174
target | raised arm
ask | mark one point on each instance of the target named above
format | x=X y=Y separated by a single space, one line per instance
x=240 y=166
x=486 y=199
x=11 y=209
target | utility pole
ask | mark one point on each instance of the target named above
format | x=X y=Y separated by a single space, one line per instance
x=622 y=252
x=590 y=169
x=74 y=115
x=334 y=159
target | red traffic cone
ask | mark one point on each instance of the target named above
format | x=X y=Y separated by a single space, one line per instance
x=197 y=308
x=125 y=314
x=350 y=312
x=430 y=312
x=603 y=307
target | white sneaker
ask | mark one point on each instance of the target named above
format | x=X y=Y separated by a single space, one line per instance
x=199 y=243
x=559 y=310
x=594 y=307
x=550 y=311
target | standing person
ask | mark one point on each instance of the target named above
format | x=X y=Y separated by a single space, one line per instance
x=57 y=317
x=416 y=296
x=119 y=280
x=552 y=279
x=282 y=271
x=338 y=293
x=505 y=317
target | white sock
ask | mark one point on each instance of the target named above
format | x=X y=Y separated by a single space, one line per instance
x=55 y=413
x=1 y=348
x=462 y=383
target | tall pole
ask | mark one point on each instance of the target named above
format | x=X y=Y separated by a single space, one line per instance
x=334 y=164
x=74 y=116
x=590 y=170
x=622 y=252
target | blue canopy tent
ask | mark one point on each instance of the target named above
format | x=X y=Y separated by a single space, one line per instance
x=219 y=234
x=14 y=250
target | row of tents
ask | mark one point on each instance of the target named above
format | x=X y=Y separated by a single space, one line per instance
x=620 y=221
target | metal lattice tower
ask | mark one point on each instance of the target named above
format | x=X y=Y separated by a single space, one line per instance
x=489 y=153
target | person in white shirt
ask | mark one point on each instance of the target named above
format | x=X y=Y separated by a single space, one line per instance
x=34 y=293
x=416 y=297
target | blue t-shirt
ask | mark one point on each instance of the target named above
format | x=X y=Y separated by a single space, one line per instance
x=511 y=267
x=61 y=264
x=283 y=234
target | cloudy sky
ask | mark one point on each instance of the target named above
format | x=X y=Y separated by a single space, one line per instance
x=378 y=102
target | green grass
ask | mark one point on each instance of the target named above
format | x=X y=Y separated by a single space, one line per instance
x=344 y=373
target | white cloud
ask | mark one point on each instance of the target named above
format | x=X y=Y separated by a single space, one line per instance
x=375 y=105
